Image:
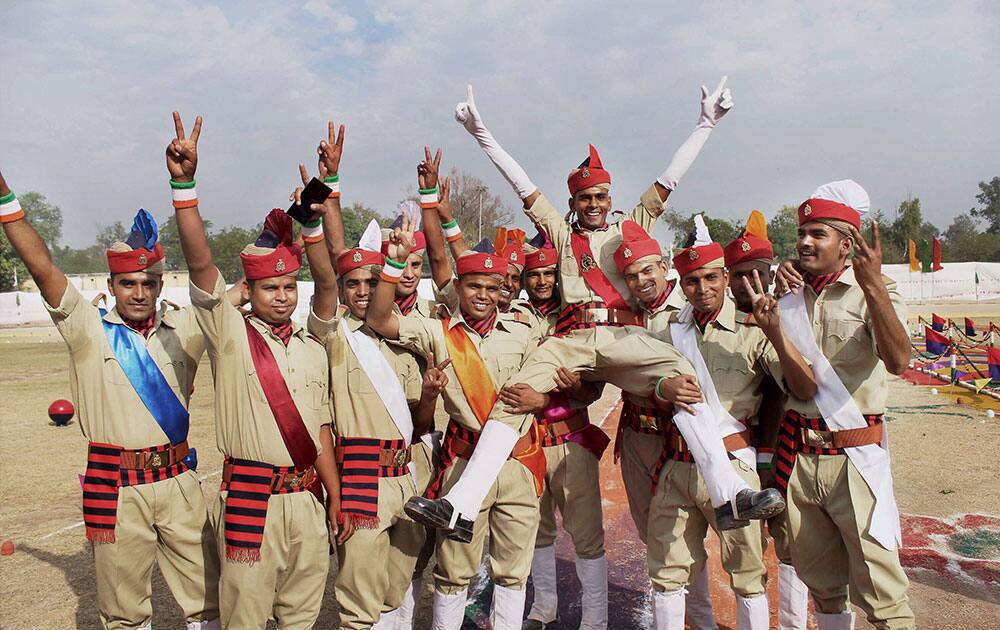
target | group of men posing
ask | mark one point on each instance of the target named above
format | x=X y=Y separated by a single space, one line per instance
x=401 y=430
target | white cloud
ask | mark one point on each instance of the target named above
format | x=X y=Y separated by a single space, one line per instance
x=898 y=96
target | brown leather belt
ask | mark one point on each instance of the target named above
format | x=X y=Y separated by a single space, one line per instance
x=607 y=316
x=841 y=439
x=154 y=459
x=280 y=481
x=564 y=427
x=463 y=448
x=387 y=457
x=733 y=442
x=645 y=422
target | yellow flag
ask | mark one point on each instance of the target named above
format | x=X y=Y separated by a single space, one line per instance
x=980 y=383
x=914 y=261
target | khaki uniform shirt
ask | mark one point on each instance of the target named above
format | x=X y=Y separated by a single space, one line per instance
x=108 y=408
x=738 y=356
x=603 y=244
x=358 y=411
x=503 y=350
x=842 y=326
x=657 y=321
x=423 y=308
x=245 y=424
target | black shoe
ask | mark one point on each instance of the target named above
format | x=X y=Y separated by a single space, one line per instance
x=437 y=513
x=751 y=506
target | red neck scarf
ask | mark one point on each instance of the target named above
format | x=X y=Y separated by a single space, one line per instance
x=143 y=327
x=282 y=331
x=407 y=303
x=547 y=306
x=661 y=299
x=481 y=326
x=818 y=283
x=704 y=319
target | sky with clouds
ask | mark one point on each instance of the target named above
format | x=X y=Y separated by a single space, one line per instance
x=900 y=95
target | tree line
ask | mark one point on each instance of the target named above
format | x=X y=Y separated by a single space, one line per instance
x=974 y=236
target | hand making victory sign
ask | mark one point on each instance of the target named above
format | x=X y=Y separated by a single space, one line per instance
x=182 y=152
x=765 y=306
x=402 y=239
x=867 y=261
x=330 y=150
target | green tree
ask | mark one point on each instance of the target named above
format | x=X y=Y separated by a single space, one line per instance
x=47 y=220
x=107 y=235
x=357 y=216
x=723 y=231
x=783 y=232
x=964 y=241
x=478 y=211
x=989 y=204
x=226 y=245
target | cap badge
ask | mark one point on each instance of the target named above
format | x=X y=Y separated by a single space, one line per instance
x=356 y=257
x=513 y=255
x=807 y=210
x=142 y=259
x=693 y=254
x=585 y=173
x=280 y=265
x=745 y=246
x=488 y=263
x=627 y=253
x=541 y=256
x=587 y=263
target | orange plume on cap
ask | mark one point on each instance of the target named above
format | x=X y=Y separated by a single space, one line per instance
x=756 y=225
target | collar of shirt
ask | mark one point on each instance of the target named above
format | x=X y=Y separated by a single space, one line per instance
x=724 y=316
x=114 y=317
x=818 y=283
x=293 y=328
x=482 y=326
x=579 y=228
x=406 y=304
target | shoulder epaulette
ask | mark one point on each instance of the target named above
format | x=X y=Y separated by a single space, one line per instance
x=99 y=298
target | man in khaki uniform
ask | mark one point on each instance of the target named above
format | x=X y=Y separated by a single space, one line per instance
x=272 y=418
x=730 y=353
x=842 y=514
x=541 y=283
x=485 y=349
x=142 y=498
x=746 y=256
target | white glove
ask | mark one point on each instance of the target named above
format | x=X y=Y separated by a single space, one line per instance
x=467 y=114
x=713 y=107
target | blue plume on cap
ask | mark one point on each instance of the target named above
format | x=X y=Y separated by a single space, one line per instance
x=144 y=231
x=484 y=246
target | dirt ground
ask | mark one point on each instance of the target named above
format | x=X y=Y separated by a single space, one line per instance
x=943 y=459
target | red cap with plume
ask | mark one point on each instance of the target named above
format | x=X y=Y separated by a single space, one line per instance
x=590 y=173
x=752 y=244
x=273 y=253
x=509 y=244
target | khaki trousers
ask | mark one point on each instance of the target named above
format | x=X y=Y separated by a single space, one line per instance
x=777 y=527
x=573 y=485
x=628 y=357
x=376 y=565
x=288 y=581
x=679 y=517
x=639 y=454
x=829 y=507
x=166 y=522
x=510 y=516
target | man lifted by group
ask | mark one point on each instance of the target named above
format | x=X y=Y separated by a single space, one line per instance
x=404 y=432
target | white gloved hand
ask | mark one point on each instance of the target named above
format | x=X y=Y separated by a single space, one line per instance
x=715 y=105
x=468 y=116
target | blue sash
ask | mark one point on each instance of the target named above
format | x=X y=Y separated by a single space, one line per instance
x=147 y=380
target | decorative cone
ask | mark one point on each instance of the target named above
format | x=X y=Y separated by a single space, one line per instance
x=61 y=411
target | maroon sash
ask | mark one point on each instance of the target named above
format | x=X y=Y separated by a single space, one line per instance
x=293 y=430
x=592 y=273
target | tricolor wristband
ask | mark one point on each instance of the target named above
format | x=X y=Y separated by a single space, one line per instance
x=312 y=233
x=10 y=208
x=185 y=194
x=765 y=459
x=333 y=182
x=428 y=197
x=392 y=271
x=451 y=230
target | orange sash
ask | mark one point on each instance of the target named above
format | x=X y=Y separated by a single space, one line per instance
x=481 y=395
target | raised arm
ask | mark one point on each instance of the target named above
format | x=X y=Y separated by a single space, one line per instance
x=30 y=247
x=324 y=277
x=714 y=106
x=433 y=222
x=467 y=114
x=329 y=152
x=182 y=162
x=380 y=316
x=890 y=335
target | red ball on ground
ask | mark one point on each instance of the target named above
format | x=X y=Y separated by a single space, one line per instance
x=61 y=411
x=7 y=548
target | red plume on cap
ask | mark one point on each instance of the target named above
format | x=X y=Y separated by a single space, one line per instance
x=285 y=256
x=590 y=173
x=636 y=244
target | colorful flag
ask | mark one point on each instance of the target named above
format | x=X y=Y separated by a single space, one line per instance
x=936 y=256
x=937 y=323
x=980 y=383
x=937 y=344
x=970 y=328
x=911 y=249
x=993 y=358
x=926 y=257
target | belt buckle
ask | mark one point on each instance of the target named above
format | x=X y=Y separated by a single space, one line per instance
x=294 y=480
x=155 y=461
x=399 y=458
x=597 y=315
x=648 y=422
x=819 y=439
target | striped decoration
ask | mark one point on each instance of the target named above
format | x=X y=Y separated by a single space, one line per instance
x=359 y=475
x=448 y=455
x=818 y=283
x=249 y=490
x=406 y=303
x=100 y=491
x=10 y=208
x=790 y=444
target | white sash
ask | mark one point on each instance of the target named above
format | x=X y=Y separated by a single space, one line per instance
x=840 y=412
x=385 y=381
x=683 y=337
